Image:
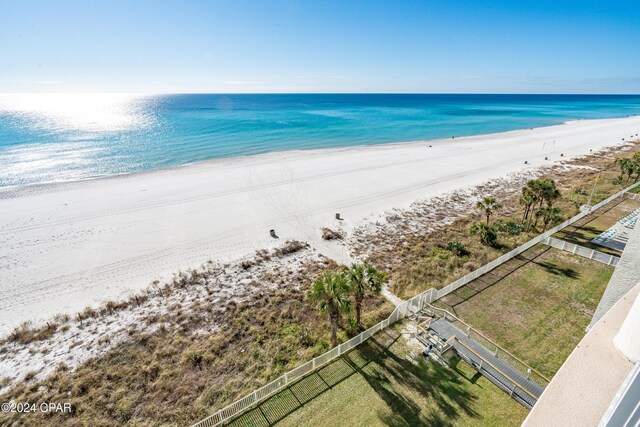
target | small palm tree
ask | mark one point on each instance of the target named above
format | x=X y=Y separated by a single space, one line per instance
x=487 y=233
x=627 y=166
x=363 y=279
x=527 y=200
x=636 y=165
x=488 y=206
x=331 y=292
x=550 y=216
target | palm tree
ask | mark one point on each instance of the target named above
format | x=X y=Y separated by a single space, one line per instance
x=527 y=199
x=488 y=205
x=331 y=292
x=488 y=235
x=363 y=279
x=537 y=190
x=550 y=216
x=627 y=166
x=636 y=165
x=549 y=191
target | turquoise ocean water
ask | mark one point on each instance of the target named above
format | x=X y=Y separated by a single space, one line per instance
x=53 y=138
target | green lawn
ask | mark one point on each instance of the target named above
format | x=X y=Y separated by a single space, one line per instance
x=537 y=305
x=381 y=384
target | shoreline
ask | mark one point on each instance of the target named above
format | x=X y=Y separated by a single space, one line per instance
x=15 y=190
x=94 y=240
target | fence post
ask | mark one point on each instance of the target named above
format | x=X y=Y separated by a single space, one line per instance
x=313 y=363
x=286 y=378
x=593 y=252
x=610 y=260
x=255 y=397
x=339 y=349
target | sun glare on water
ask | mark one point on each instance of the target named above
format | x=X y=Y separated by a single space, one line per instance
x=76 y=112
x=88 y=130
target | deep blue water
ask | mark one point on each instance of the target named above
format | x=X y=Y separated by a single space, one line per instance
x=48 y=138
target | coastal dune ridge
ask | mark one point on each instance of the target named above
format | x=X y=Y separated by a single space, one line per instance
x=66 y=246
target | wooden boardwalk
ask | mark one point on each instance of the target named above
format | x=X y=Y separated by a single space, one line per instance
x=497 y=370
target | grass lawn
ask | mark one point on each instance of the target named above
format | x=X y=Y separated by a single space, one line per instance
x=585 y=230
x=537 y=305
x=380 y=384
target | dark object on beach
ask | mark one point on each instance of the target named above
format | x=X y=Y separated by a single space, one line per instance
x=546 y=158
x=526 y=162
x=453 y=137
x=591 y=150
x=273 y=234
x=561 y=155
x=430 y=146
x=338 y=216
x=623 y=139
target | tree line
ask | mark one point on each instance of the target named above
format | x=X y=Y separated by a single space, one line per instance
x=537 y=199
x=628 y=167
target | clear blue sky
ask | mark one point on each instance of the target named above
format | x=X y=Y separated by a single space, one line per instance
x=535 y=46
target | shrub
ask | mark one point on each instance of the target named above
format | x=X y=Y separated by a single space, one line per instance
x=290 y=247
x=457 y=248
x=329 y=234
x=487 y=233
x=513 y=228
x=440 y=253
x=194 y=358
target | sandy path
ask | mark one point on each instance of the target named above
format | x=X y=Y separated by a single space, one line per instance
x=67 y=246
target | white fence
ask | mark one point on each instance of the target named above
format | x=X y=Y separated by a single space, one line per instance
x=404 y=309
x=582 y=251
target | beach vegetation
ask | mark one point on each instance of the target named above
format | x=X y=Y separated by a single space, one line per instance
x=405 y=248
x=457 y=248
x=331 y=294
x=329 y=234
x=629 y=166
x=199 y=355
x=486 y=232
x=550 y=216
x=488 y=206
x=510 y=227
x=534 y=195
x=364 y=279
x=290 y=247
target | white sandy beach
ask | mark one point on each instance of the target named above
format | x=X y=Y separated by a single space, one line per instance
x=67 y=246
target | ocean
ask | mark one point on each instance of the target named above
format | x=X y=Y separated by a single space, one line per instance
x=64 y=137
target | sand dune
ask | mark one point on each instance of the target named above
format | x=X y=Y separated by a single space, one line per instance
x=63 y=247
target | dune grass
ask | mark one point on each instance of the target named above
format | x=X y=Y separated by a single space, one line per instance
x=178 y=375
x=418 y=262
x=537 y=305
